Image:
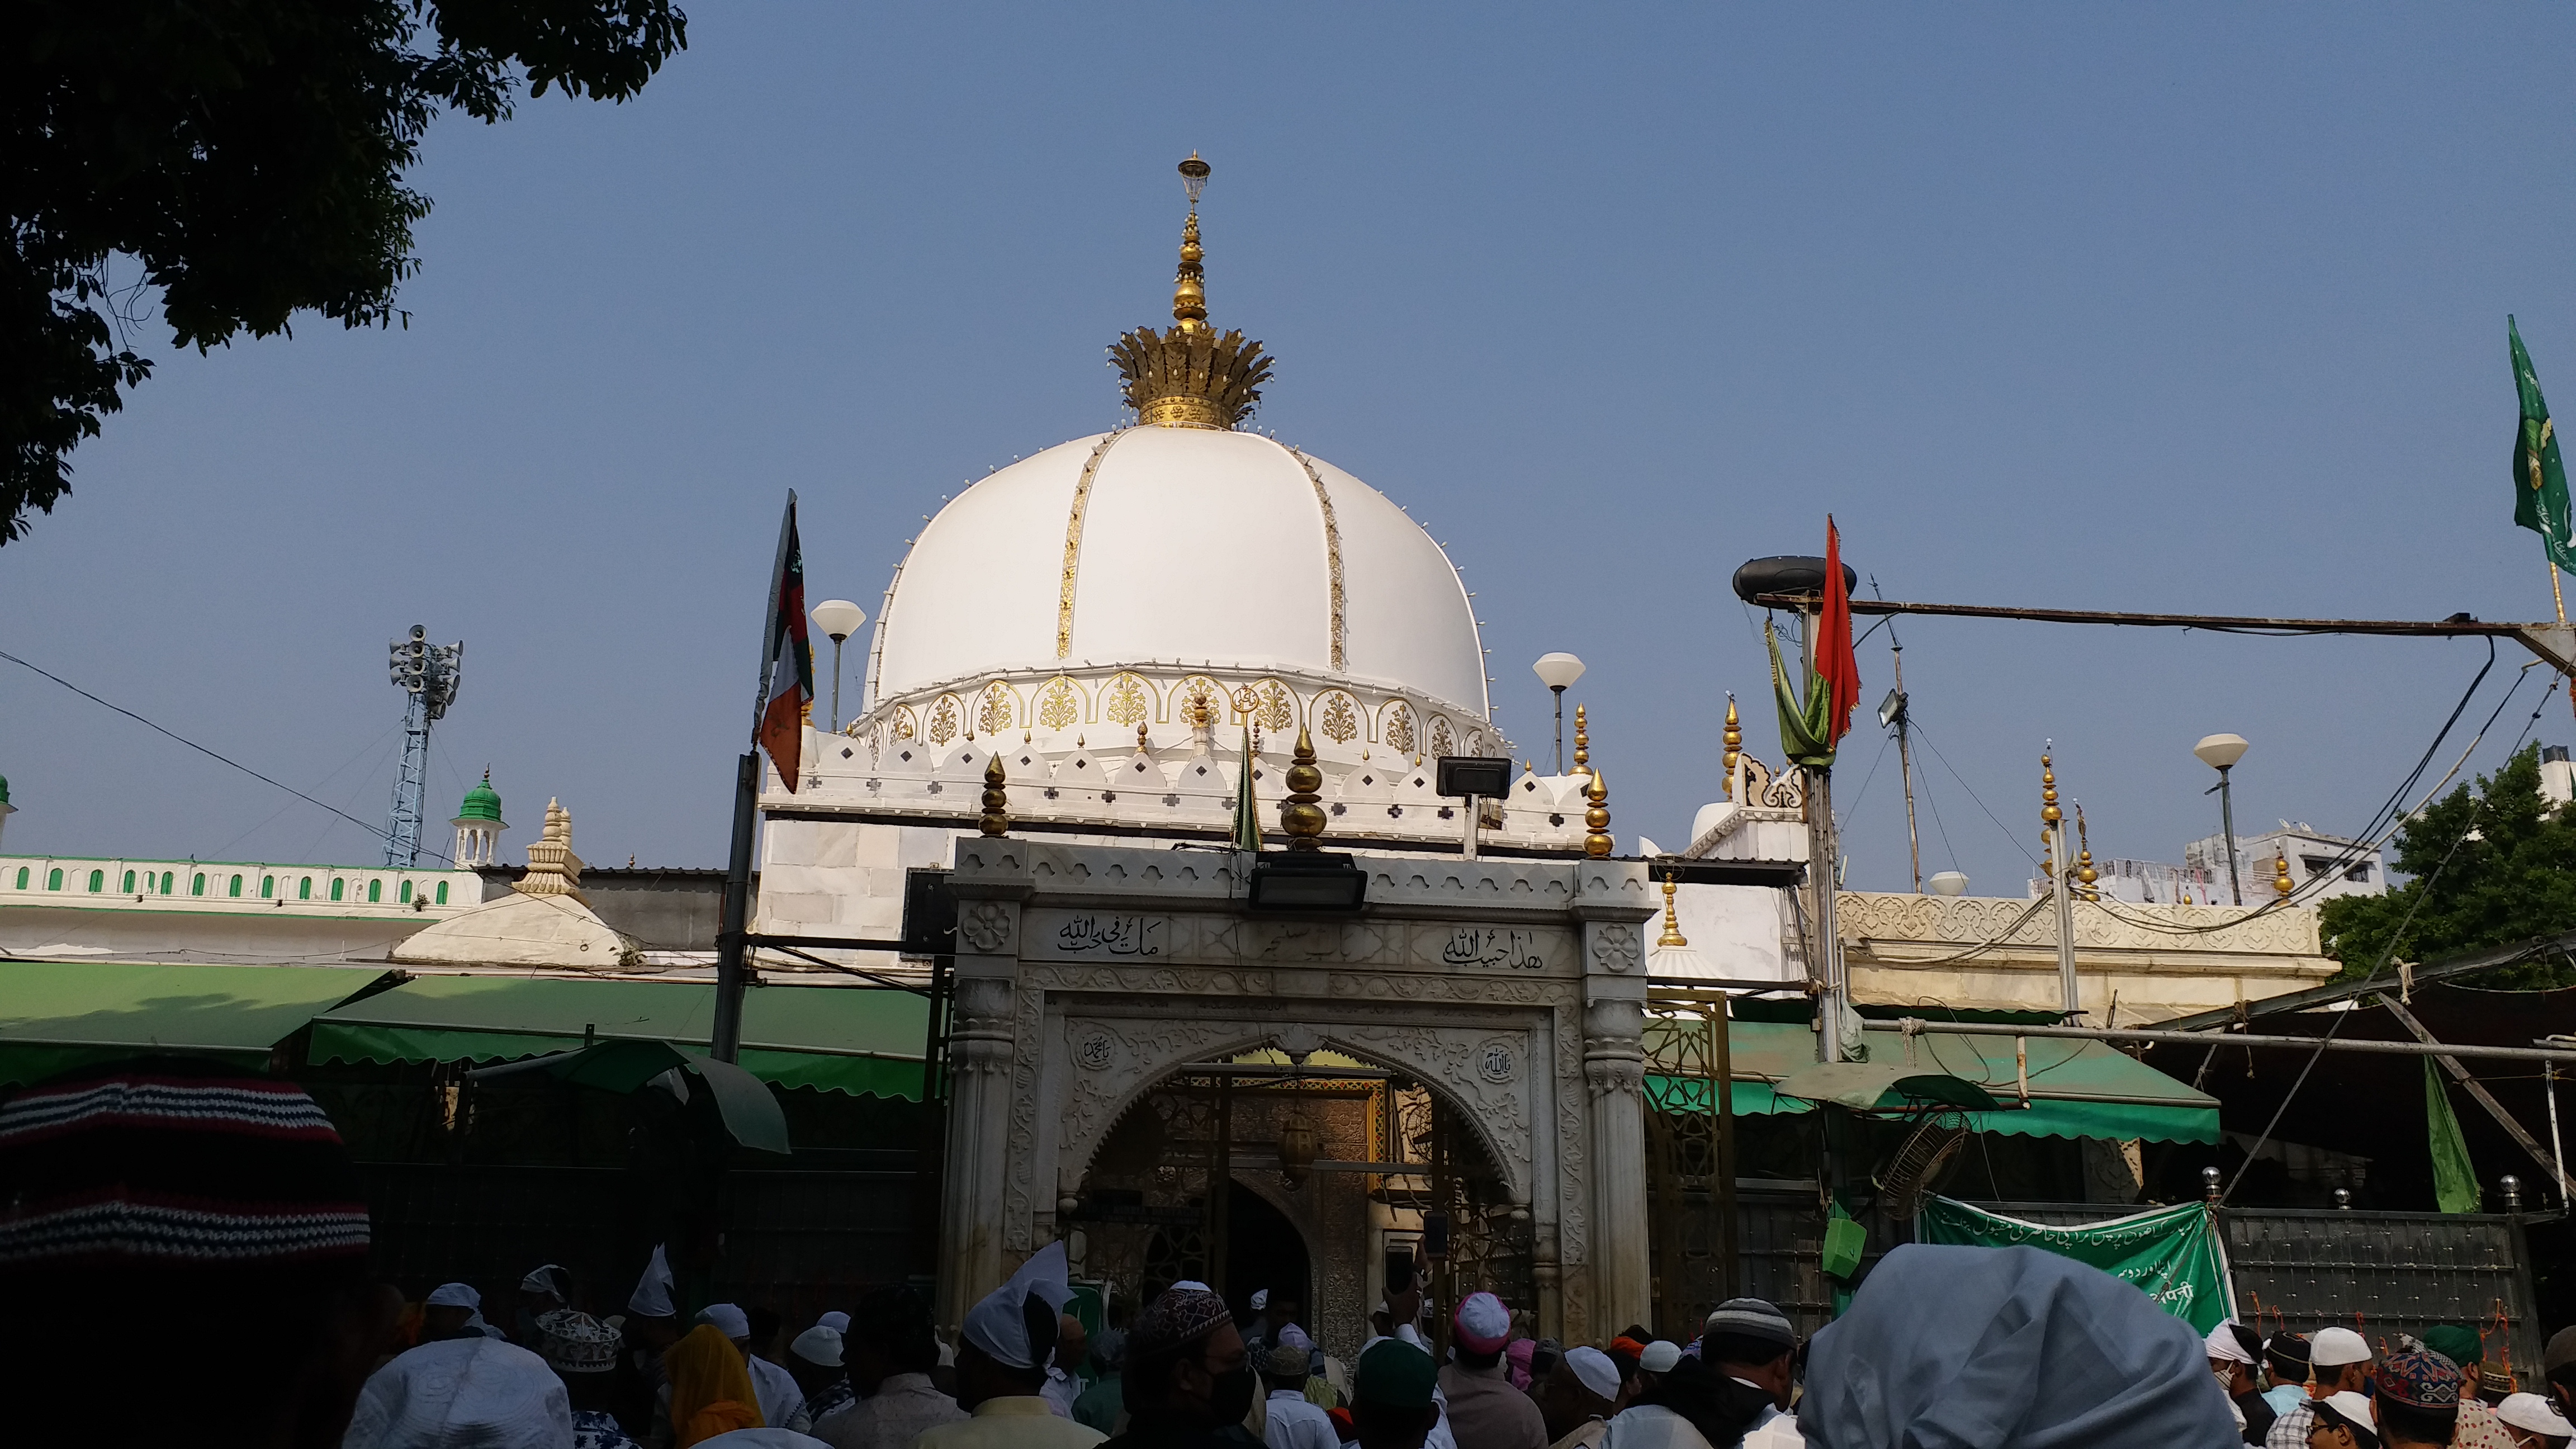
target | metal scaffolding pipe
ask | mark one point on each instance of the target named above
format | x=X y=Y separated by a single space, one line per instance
x=1913 y=1025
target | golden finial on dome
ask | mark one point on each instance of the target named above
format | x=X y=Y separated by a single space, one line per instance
x=1734 y=745
x=997 y=800
x=2281 y=883
x=2049 y=814
x=1672 y=935
x=2085 y=875
x=1188 y=376
x=1302 y=813
x=1596 y=819
x=1582 y=743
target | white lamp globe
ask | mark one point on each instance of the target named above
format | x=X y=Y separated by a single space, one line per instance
x=1558 y=670
x=1947 y=883
x=839 y=618
x=2220 y=751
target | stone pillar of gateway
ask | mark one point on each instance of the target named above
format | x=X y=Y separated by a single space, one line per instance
x=1466 y=1045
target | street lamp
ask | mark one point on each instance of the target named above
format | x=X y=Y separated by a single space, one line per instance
x=1947 y=883
x=840 y=618
x=2220 y=753
x=1558 y=672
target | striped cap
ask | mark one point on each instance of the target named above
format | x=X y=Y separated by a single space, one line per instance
x=172 y=1162
x=1752 y=1318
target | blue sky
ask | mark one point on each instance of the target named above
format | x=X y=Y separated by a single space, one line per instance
x=2186 y=308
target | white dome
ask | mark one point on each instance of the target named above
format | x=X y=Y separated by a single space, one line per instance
x=1188 y=546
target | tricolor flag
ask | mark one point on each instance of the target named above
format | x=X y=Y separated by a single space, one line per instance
x=787 y=659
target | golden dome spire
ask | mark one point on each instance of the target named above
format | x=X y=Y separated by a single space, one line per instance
x=1188 y=376
x=1672 y=935
x=1302 y=813
x=2049 y=814
x=997 y=799
x=1734 y=745
x=1582 y=744
x=1596 y=819
x=2085 y=875
x=2281 y=883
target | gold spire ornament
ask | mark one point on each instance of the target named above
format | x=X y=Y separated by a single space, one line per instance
x=1301 y=815
x=1672 y=935
x=2085 y=875
x=2049 y=815
x=1188 y=376
x=1596 y=819
x=2281 y=883
x=1582 y=743
x=997 y=800
x=1734 y=746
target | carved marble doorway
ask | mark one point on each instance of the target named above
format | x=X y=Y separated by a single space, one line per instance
x=1350 y=1157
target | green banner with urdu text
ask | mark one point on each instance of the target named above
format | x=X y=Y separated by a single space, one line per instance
x=2172 y=1254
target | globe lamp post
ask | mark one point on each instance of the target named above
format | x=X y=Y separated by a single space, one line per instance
x=2220 y=753
x=1558 y=672
x=839 y=618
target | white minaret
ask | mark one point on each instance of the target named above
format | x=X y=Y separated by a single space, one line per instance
x=479 y=826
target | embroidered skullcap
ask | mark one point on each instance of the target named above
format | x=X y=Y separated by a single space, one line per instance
x=729 y=1320
x=2335 y=1347
x=2420 y=1378
x=2352 y=1411
x=171 y=1162
x=652 y=1295
x=2224 y=1345
x=2459 y=1345
x=1594 y=1370
x=1182 y=1315
x=1284 y=1360
x=547 y=1278
x=1753 y=1318
x=1394 y=1374
x=819 y=1346
x=1660 y=1357
x=1484 y=1325
x=2532 y=1412
x=454 y=1295
x=836 y=1320
x=1003 y=1324
x=576 y=1343
x=462 y=1391
x=1260 y=1299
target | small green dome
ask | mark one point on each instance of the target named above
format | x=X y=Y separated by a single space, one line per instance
x=481 y=803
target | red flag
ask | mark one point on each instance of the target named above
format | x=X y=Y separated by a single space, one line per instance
x=787 y=661
x=1834 y=659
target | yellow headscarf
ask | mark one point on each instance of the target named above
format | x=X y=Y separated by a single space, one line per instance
x=711 y=1389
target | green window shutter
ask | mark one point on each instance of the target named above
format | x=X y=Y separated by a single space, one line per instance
x=375 y=891
x=197 y=884
x=442 y=893
x=236 y=887
x=304 y=889
x=336 y=887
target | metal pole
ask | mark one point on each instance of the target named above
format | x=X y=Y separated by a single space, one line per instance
x=1468 y=844
x=1824 y=965
x=2557 y=1154
x=1221 y=1183
x=2241 y=1039
x=1559 y=691
x=726 y=1045
x=836 y=683
x=2227 y=821
x=1905 y=766
x=1722 y=1063
x=2060 y=866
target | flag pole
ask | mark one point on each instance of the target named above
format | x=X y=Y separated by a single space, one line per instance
x=725 y=1031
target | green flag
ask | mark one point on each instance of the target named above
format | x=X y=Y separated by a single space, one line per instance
x=2173 y=1254
x=2539 y=482
x=2455 y=1179
x=1247 y=806
x=1806 y=729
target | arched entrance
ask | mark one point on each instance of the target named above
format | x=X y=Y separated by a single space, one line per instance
x=1328 y=1164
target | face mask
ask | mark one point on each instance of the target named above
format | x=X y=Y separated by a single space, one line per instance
x=1231 y=1399
x=2225 y=1379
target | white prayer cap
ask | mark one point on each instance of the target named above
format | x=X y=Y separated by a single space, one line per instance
x=652 y=1295
x=2222 y=1344
x=729 y=1320
x=836 y=1320
x=2350 y=1408
x=998 y=1326
x=461 y=1391
x=2335 y=1347
x=1191 y=1285
x=1594 y=1370
x=1295 y=1337
x=818 y=1345
x=1260 y=1299
x=2532 y=1412
x=455 y=1295
x=1660 y=1356
x=543 y=1279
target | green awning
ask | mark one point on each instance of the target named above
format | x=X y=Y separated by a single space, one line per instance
x=57 y=1015
x=2077 y=1088
x=861 y=1040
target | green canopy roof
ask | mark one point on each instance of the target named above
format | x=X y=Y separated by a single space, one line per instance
x=858 y=1040
x=2077 y=1088
x=57 y=1015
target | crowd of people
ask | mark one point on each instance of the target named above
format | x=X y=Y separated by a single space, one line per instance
x=149 y=1206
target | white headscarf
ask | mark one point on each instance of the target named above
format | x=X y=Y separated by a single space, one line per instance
x=997 y=1326
x=461 y=1392
x=652 y=1295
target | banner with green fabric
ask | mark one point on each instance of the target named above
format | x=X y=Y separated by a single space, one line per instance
x=2172 y=1254
x=2455 y=1178
x=2539 y=479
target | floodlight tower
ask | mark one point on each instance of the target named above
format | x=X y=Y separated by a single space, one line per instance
x=428 y=675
